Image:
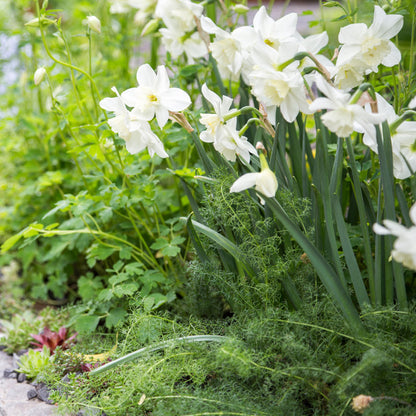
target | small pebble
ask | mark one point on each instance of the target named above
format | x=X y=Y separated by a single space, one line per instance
x=9 y=374
x=31 y=394
x=42 y=391
x=21 y=377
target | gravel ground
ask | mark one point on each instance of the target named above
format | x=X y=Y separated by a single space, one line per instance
x=13 y=395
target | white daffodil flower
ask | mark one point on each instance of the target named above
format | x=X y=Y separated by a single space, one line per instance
x=213 y=121
x=226 y=49
x=270 y=32
x=229 y=143
x=275 y=87
x=177 y=43
x=343 y=118
x=154 y=96
x=371 y=46
x=133 y=129
x=178 y=15
x=402 y=140
x=224 y=135
x=404 y=155
x=404 y=247
x=264 y=181
x=314 y=44
x=275 y=33
x=266 y=31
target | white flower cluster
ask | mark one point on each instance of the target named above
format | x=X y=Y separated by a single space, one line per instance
x=268 y=56
x=152 y=97
x=365 y=48
x=259 y=53
x=179 y=16
x=180 y=35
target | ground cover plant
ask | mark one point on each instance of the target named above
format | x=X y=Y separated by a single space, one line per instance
x=226 y=206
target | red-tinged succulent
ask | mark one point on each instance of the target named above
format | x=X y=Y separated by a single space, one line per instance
x=53 y=339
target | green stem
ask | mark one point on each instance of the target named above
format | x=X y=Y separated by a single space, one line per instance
x=386 y=167
x=58 y=61
x=322 y=182
x=90 y=71
x=77 y=93
x=142 y=351
x=150 y=260
x=362 y=213
x=143 y=241
x=355 y=273
x=241 y=111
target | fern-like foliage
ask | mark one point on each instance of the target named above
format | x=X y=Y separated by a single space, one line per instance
x=219 y=287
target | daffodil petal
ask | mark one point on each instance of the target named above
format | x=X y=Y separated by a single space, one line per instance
x=162 y=82
x=146 y=76
x=393 y=58
x=412 y=213
x=244 y=182
x=379 y=229
x=131 y=96
x=352 y=33
x=174 y=99
x=162 y=116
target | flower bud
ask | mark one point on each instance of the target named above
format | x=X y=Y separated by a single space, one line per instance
x=39 y=75
x=267 y=182
x=45 y=21
x=260 y=146
x=151 y=27
x=93 y=23
x=240 y=9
